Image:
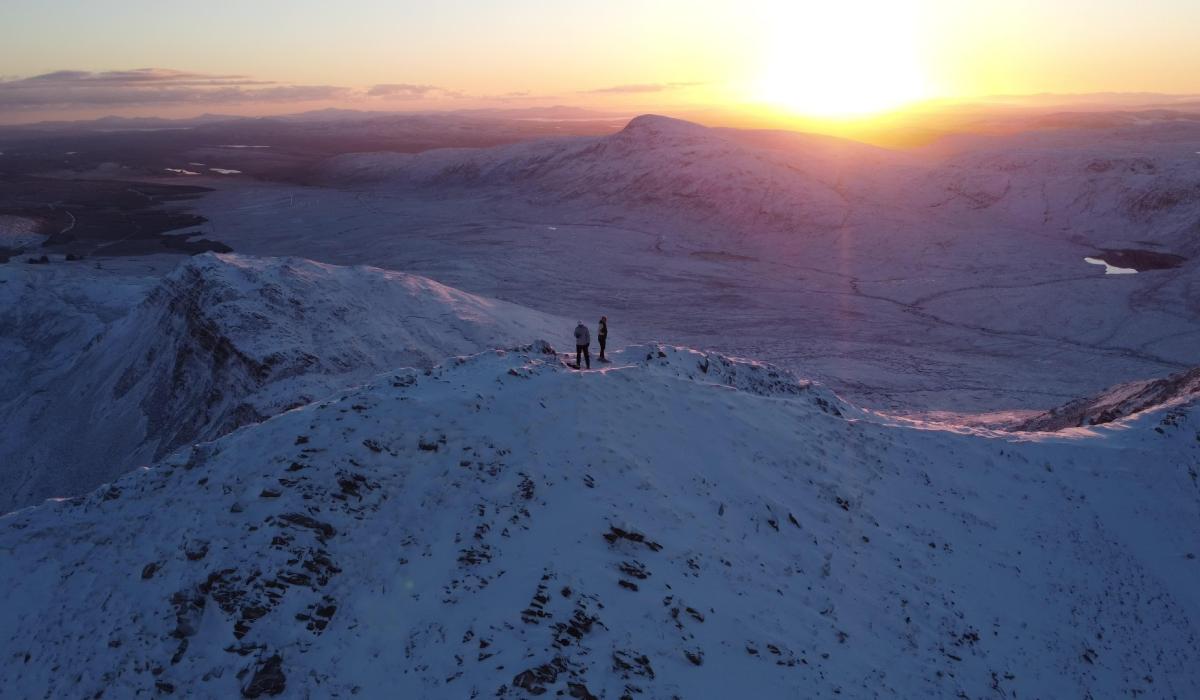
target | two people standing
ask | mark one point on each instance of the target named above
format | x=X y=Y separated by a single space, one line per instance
x=583 y=341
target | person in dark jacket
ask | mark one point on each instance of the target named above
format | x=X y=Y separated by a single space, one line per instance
x=602 y=336
x=583 y=339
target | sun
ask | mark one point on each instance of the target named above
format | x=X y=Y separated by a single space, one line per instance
x=843 y=59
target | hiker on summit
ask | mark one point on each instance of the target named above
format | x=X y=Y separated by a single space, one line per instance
x=583 y=339
x=602 y=336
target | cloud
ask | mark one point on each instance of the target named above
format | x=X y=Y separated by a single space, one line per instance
x=151 y=86
x=409 y=91
x=402 y=91
x=643 y=87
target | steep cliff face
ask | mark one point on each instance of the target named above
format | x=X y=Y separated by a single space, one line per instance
x=224 y=341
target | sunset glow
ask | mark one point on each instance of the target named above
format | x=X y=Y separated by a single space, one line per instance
x=840 y=60
x=789 y=58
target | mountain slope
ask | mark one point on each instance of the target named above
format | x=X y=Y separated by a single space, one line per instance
x=224 y=341
x=679 y=524
x=1135 y=185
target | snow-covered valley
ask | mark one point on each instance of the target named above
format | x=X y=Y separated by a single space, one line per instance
x=943 y=279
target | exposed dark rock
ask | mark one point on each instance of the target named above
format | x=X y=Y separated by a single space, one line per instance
x=268 y=679
x=196 y=550
x=579 y=690
x=189 y=606
x=179 y=651
x=535 y=679
x=629 y=663
x=323 y=530
x=634 y=569
x=616 y=533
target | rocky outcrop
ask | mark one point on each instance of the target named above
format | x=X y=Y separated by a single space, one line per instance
x=1119 y=402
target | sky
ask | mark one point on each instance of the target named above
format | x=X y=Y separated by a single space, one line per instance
x=849 y=58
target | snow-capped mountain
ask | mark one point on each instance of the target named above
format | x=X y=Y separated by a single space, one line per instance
x=220 y=342
x=656 y=166
x=1124 y=183
x=678 y=524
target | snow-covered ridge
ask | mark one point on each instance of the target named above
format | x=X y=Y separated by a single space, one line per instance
x=227 y=340
x=502 y=526
x=1120 y=402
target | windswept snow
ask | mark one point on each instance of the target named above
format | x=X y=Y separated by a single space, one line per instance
x=222 y=341
x=677 y=525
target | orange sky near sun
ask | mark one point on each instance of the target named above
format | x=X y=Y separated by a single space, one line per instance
x=809 y=58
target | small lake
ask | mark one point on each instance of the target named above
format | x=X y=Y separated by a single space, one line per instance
x=1128 y=261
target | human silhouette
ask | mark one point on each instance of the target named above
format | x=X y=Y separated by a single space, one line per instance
x=602 y=336
x=583 y=338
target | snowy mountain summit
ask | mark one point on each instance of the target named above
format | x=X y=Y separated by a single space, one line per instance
x=677 y=524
